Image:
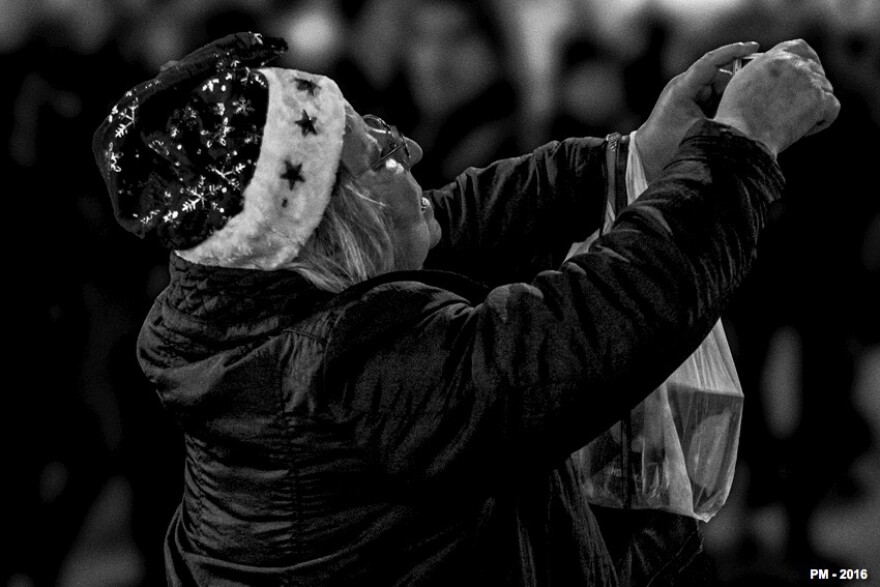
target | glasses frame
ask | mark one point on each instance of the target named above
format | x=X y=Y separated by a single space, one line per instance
x=398 y=142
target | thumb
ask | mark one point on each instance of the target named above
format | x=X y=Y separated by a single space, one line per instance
x=706 y=69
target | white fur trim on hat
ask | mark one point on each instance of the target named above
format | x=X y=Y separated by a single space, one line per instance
x=293 y=179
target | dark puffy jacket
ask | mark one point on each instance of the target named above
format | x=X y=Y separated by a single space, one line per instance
x=415 y=429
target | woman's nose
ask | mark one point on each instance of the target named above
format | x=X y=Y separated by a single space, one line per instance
x=415 y=151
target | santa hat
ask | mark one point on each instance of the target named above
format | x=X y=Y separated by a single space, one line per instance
x=229 y=162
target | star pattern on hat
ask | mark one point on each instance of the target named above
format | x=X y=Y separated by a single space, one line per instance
x=307 y=123
x=292 y=174
x=304 y=85
x=180 y=170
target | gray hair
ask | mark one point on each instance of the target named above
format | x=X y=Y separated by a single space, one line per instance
x=352 y=243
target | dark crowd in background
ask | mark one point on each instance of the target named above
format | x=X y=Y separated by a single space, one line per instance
x=92 y=466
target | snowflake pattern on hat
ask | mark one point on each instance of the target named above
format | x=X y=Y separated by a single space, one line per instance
x=228 y=162
x=183 y=176
x=177 y=150
x=293 y=179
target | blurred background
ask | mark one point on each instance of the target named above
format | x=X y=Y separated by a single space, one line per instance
x=93 y=466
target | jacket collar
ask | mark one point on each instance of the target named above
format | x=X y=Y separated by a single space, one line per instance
x=221 y=303
x=229 y=297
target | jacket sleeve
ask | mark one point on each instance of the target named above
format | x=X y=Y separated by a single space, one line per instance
x=485 y=391
x=518 y=216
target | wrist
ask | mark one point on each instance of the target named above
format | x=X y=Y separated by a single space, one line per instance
x=739 y=125
x=650 y=169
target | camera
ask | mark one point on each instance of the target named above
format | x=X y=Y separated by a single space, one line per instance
x=741 y=62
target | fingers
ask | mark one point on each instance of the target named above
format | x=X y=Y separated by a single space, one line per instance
x=830 y=108
x=829 y=104
x=705 y=70
x=801 y=49
x=781 y=97
x=798 y=47
x=727 y=53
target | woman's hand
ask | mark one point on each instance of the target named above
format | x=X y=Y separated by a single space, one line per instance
x=781 y=97
x=685 y=100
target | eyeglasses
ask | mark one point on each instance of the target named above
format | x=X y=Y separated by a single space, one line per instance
x=392 y=141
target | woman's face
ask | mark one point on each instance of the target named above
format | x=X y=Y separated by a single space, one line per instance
x=414 y=229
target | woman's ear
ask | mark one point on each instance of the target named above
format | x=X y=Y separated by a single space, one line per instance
x=357 y=143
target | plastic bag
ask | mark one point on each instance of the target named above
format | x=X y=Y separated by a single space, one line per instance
x=676 y=451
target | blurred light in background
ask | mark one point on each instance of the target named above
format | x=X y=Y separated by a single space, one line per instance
x=315 y=33
x=15 y=25
x=539 y=22
x=847 y=528
x=781 y=385
x=701 y=10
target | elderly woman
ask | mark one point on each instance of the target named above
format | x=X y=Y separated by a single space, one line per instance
x=353 y=419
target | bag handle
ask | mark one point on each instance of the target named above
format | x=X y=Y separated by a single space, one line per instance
x=616 y=153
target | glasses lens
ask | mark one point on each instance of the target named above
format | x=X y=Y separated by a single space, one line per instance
x=390 y=138
x=376 y=123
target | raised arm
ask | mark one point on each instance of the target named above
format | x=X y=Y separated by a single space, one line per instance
x=477 y=389
x=519 y=216
x=536 y=370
